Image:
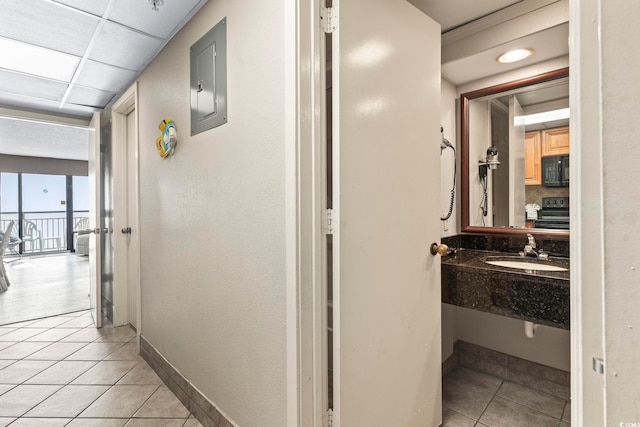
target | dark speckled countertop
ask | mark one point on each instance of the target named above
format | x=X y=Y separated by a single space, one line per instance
x=538 y=296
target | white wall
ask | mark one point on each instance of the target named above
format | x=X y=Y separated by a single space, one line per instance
x=213 y=217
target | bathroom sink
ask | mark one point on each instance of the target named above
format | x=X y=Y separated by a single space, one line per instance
x=524 y=264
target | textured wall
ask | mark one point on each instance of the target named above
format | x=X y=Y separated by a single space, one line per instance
x=213 y=220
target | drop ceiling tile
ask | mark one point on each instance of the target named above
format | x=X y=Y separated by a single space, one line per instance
x=47 y=25
x=13 y=100
x=27 y=138
x=139 y=15
x=104 y=77
x=23 y=84
x=95 y=7
x=124 y=48
x=37 y=61
x=81 y=95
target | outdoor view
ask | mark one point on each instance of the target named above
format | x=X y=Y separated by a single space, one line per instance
x=42 y=208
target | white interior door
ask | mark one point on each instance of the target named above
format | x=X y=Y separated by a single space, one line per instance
x=95 y=176
x=132 y=237
x=516 y=164
x=386 y=136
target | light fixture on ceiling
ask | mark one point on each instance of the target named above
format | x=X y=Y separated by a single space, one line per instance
x=514 y=55
x=547 y=116
x=155 y=4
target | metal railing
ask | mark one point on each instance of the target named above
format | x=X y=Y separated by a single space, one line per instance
x=51 y=226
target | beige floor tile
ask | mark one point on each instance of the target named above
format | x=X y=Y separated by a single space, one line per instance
x=533 y=399
x=566 y=416
x=128 y=351
x=62 y=372
x=20 y=399
x=5 y=344
x=57 y=351
x=83 y=335
x=192 y=422
x=22 y=370
x=155 y=422
x=4 y=330
x=77 y=322
x=163 y=404
x=41 y=422
x=5 y=421
x=20 y=324
x=141 y=374
x=5 y=363
x=505 y=413
x=21 y=334
x=49 y=322
x=119 y=334
x=69 y=401
x=22 y=349
x=95 y=351
x=453 y=419
x=52 y=335
x=5 y=388
x=98 y=422
x=120 y=401
x=78 y=313
x=464 y=398
x=106 y=372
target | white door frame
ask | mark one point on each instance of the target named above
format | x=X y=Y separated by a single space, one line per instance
x=127 y=103
x=307 y=314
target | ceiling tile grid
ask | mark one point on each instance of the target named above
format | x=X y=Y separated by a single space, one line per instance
x=100 y=47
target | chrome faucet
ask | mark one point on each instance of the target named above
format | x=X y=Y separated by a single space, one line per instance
x=530 y=247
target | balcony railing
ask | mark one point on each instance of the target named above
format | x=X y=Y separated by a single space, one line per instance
x=51 y=229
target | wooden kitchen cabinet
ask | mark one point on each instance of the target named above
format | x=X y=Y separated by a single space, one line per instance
x=555 y=141
x=532 y=152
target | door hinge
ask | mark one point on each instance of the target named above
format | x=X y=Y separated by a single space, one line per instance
x=330 y=418
x=329 y=19
x=328 y=221
x=598 y=365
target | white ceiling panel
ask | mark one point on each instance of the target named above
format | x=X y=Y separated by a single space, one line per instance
x=138 y=14
x=12 y=100
x=37 y=61
x=104 y=77
x=453 y=13
x=94 y=7
x=31 y=86
x=47 y=25
x=124 y=48
x=87 y=96
x=35 y=139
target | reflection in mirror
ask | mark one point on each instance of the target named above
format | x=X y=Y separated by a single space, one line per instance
x=515 y=156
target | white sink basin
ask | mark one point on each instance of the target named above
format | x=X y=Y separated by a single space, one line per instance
x=524 y=265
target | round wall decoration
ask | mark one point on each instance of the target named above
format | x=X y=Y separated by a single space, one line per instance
x=166 y=142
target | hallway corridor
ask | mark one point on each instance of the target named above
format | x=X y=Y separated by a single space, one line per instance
x=62 y=371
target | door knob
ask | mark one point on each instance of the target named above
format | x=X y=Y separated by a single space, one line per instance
x=439 y=249
x=126 y=230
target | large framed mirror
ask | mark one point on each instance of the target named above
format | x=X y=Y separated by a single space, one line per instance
x=515 y=157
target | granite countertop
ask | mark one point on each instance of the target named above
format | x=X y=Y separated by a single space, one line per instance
x=475 y=259
x=538 y=296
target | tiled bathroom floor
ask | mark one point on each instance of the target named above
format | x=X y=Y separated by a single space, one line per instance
x=62 y=371
x=475 y=399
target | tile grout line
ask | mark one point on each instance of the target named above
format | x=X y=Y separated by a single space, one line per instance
x=495 y=393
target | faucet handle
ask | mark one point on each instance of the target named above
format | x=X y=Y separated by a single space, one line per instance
x=532 y=240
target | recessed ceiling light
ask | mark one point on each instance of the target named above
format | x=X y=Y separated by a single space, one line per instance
x=547 y=116
x=37 y=61
x=514 y=56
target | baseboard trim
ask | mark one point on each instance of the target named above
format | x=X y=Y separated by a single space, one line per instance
x=192 y=398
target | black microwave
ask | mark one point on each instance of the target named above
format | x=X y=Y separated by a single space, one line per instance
x=555 y=171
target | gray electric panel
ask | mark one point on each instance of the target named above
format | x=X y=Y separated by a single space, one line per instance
x=209 y=79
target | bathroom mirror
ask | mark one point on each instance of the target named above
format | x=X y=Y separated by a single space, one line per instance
x=515 y=157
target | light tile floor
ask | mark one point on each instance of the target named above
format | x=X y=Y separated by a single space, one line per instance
x=62 y=371
x=475 y=399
